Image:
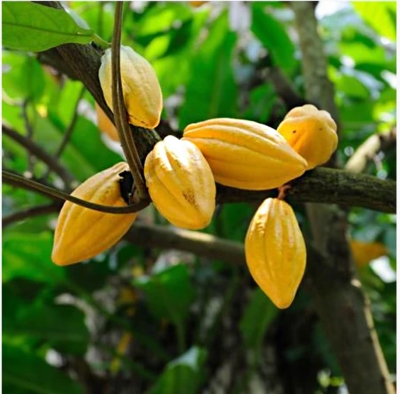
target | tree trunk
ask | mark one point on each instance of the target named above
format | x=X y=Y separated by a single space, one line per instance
x=340 y=302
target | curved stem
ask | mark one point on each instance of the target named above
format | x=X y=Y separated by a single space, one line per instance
x=14 y=179
x=120 y=113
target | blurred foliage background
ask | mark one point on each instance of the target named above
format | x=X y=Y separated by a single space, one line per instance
x=147 y=320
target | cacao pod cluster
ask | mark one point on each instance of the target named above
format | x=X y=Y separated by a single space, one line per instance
x=180 y=175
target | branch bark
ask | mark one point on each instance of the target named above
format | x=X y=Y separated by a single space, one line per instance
x=340 y=302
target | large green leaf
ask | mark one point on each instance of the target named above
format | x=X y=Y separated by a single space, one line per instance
x=25 y=79
x=169 y=293
x=27 y=373
x=381 y=16
x=211 y=90
x=274 y=37
x=258 y=315
x=182 y=375
x=28 y=256
x=62 y=326
x=34 y=27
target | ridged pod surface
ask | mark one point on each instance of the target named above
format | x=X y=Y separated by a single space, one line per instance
x=245 y=154
x=180 y=183
x=311 y=133
x=82 y=233
x=275 y=251
x=140 y=87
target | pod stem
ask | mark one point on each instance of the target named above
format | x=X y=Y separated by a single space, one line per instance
x=139 y=190
x=29 y=184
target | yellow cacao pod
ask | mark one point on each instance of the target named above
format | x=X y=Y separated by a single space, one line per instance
x=82 y=233
x=197 y=3
x=180 y=183
x=140 y=87
x=311 y=133
x=105 y=125
x=275 y=251
x=364 y=252
x=245 y=154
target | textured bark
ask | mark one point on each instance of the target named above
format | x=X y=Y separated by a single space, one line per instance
x=341 y=304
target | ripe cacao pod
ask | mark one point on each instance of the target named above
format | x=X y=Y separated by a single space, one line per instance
x=105 y=125
x=245 y=154
x=364 y=252
x=180 y=183
x=82 y=233
x=197 y=3
x=140 y=87
x=275 y=251
x=311 y=133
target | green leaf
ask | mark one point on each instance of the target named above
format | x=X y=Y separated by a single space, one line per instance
x=182 y=375
x=169 y=293
x=274 y=37
x=211 y=89
x=61 y=326
x=26 y=372
x=28 y=256
x=33 y=27
x=25 y=78
x=381 y=16
x=259 y=314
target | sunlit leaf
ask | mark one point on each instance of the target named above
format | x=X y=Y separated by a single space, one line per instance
x=33 y=27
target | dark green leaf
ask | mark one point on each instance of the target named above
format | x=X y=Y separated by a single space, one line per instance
x=182 y=375
x=258 y=315
x=26 y=372
x=29 y=256
x=33 y=27
x=169 y=293
x=274 y=37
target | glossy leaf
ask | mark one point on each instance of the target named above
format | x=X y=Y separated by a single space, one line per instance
x=33 y=27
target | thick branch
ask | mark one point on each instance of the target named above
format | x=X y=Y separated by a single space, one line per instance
x=326 y=185
x=201 y=244
x=320 y=185
x=341 y=304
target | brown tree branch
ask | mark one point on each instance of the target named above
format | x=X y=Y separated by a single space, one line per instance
x=340 y=302
x=322 y=185
x=31 y=212
x=201 y=244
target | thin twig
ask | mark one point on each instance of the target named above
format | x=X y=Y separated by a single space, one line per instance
x=18 y=180
x=30 y=212
x=41 y=154
x=29 y=134
x=120 y=113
